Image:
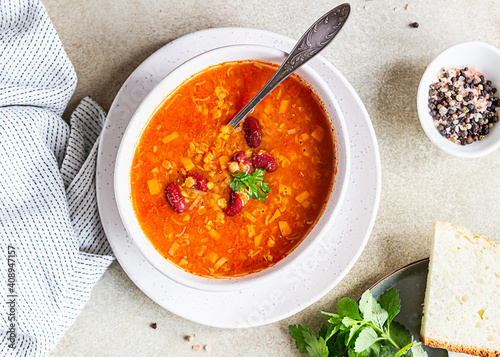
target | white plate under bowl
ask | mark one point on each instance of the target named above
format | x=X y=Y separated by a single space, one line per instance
x=473 y=54
x=155 y=99
x=319 y=271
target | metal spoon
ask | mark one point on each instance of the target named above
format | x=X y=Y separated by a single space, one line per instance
x=317 y=37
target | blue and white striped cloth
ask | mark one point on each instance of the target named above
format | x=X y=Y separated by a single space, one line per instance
x=48 y=209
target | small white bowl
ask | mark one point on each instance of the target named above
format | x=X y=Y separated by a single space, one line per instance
x=140 y=120
x=477 y=54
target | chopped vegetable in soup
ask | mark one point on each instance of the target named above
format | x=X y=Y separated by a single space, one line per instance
x=221 y=203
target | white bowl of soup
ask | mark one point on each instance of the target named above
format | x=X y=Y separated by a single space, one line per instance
x=217 y=209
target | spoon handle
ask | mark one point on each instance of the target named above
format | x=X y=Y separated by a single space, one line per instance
x=317 y=37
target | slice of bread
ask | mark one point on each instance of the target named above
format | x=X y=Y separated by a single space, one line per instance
x=462 y=299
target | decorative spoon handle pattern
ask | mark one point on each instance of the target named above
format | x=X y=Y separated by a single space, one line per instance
x=315 y=39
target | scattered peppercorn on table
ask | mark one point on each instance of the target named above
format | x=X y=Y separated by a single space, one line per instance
x=382 y=51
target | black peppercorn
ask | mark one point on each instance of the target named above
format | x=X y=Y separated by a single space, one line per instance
x=452 y=105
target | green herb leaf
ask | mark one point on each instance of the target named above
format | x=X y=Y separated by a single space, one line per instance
x=298 y=332
x=323 y=331
x=391 y=303
x=374 y=350
x=366 y=305
x=352 y=333
x=403 y=350
x=348 y=322
x=387 y=351
x=348 y=308
x=399 y=334
x=379 y=315
x=352 y=353
x=306 y=341
x=334 y=319
x=417 y=350
x=257 y=188
x=366 y=338
x=318 y=349
x=372 y=311
x=338 y=347
x=327 y=332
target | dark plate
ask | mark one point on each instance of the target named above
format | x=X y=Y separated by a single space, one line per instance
x=410 y=282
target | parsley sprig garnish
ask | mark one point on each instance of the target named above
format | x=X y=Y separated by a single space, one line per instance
x=366 y=330
x=257 y=188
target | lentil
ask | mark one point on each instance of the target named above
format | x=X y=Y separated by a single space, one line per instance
x=473 y=111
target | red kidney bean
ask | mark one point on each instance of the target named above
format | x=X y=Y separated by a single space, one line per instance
x=244 y=164
x=235 y=204
x=174 y=197
x=253 y=132
x=200 y=182
x=265 y=161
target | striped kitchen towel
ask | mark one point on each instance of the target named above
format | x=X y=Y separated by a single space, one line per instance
x=53 y=248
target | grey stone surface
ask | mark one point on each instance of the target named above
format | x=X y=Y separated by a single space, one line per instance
x=382 y=57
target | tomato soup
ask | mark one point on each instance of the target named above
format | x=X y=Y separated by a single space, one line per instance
x=220 y=202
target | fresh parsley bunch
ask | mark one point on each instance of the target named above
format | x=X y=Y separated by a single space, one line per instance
x=257 y=188
x=367 y=330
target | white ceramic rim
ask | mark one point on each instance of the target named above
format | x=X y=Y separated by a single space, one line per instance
x=138 y=123
x=463 y=54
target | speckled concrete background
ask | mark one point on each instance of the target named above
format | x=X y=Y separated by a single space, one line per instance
x=381 y=56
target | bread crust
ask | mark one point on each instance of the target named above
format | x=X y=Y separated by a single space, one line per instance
x=471 y=236
x=456 y=347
